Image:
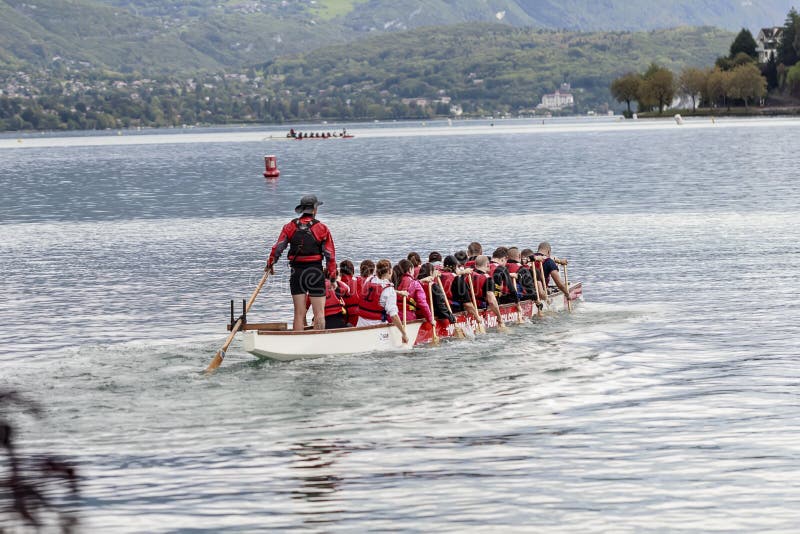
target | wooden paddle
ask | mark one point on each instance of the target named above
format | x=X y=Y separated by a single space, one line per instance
x=481 y=327
x=536 y=287
x=459 y=332
x=566 y=284
x=433 y=314
x=544 y=282
x=220 y=355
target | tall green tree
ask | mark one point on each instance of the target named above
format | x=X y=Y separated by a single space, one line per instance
x=787 y=50
x=625 y=88
x=658 y=86
x=718 y=86
x=744 y=43
x=692 y=82
x=793 y=80
x=770 y=71
x=747 y=83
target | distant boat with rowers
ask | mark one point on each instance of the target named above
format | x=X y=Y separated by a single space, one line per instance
x=277 y=342
x=310 y=136
x=322 y=138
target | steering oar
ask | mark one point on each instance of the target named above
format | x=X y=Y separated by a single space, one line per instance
x=220 y=355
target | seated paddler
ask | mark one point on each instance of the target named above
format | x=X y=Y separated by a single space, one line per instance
x=378 y=300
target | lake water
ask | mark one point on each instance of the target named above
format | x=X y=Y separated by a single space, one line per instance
x=667 y=402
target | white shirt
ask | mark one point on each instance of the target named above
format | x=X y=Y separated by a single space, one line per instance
x=388 y=301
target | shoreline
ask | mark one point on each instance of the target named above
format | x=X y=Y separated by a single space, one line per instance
x=720 y=113
x=606 y=124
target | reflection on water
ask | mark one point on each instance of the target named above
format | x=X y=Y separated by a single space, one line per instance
x=314 y=465
x=663 y=400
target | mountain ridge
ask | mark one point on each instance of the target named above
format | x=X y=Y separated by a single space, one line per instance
x=185 y=35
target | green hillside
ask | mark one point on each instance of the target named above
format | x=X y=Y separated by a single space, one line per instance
x=480 y=69
x=158 y=37
x=492 y=66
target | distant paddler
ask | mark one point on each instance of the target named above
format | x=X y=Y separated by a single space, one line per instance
x=309 y=241
x=550 y=269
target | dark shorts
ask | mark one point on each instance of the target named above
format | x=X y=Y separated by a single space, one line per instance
x=307 y=278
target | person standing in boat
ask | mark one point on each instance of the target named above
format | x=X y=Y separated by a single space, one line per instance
x=550 y=268
x=309 y=242
x=378 y=301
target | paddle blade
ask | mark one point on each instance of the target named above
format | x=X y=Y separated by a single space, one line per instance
x=216 y=362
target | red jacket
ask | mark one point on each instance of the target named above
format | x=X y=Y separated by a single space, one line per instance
x=447 y=282
x=356 y=283
x=320 y=233
x=334 y=304
x=351 y=299
x=369 y=306
x=481 y=284
x=417 y=304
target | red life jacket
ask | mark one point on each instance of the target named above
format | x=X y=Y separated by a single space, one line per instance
x=479 y=283
x=369 y=301
x=514 y=267
x=351 y=298
x=304 y=246
x=447 y=282
x=334 y=305
x=359 y=283
x=405 y=285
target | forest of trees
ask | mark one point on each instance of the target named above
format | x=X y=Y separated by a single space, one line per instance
x=737 y=79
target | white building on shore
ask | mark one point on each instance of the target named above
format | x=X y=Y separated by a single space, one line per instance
x=767 y=43
x=561 y=99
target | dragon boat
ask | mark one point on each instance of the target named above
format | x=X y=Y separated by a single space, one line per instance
x=276 y=341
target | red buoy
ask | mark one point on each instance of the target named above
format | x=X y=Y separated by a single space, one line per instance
x=271 y=167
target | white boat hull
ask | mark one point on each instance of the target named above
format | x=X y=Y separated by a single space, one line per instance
x=289 y=345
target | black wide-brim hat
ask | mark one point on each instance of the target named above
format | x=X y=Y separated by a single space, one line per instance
x=308 y=203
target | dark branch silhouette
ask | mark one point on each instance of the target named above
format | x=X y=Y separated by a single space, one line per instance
x=27 y=491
